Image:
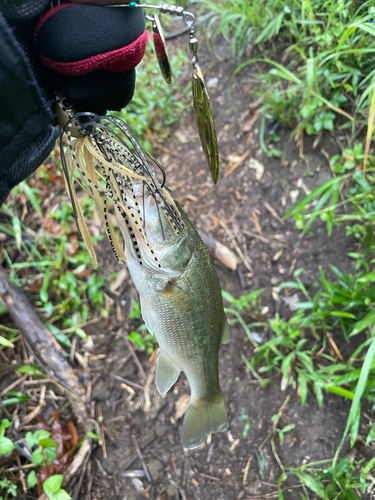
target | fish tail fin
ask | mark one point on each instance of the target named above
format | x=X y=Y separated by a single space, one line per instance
x=202 y=418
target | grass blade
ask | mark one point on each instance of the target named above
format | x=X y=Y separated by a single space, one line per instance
x=370 y=129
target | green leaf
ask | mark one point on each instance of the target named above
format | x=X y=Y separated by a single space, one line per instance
x=371 y=434
x=41 y=434
x=6 y=445
x=51 y=455
x=355 y=425
x=81 y=333
x=309 y=198
x=30 y=439
x=47 y=443
x=17 y=231
x=340 y=391
x=63 y=339
x=18 y=397
x=92 y=435
x=367 y=278
x=368 y=466
x=31 y=479
x=5 y=424
x=343 y=314
x=31 y=370
x=37 y=457
x=5 y=342
x=315 y=485
x=32 y=198
x=281 y=494
x=61 y=495
x=53 y=484
x=364 y=323
x=355 y=406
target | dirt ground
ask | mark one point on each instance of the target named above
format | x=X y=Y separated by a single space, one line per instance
x=226 y=468
x=236 y=210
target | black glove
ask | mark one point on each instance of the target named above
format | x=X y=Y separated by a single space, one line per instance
x=87 y=53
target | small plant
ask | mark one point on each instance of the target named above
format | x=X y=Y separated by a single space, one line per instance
x=145 y=341
x=155 y=105
x=6 y=444
x=325 y=69
x=283 y=431
x=357 y=186
x=330 y=481
x=246 y=305
x=246 y=422
x=7 y=487
x=45 y=453
x=52 y=488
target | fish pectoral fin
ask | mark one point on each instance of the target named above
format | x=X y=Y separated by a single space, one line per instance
x=147 y=316
x=167 y=373
x=177 y=298
x=225 y=337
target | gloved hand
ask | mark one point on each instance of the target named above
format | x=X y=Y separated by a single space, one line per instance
x=86 y=52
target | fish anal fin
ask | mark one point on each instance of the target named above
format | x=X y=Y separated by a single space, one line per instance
x=225 y=338
x=201 y=418
x=167 y=373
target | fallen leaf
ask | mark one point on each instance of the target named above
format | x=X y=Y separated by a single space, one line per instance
x=181 y=137
x=212 y=82
x=181 y=405
x=248 y=125
x=35 y=286
x=291 y=302
x=257 y=166
x=66 y=437
x=233 y=158
x=163 y=495
x=138 y=485
x=277 y=255
x=294 y=195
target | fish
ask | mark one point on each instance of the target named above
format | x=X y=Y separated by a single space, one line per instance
x=182 y=306
x=180 y=295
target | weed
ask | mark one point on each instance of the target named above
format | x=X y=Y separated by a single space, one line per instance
x=144 y=340
x=246 y=422
x=331 y=481
x=156 y=105
x=246 y=305
x=283 y=431
x=327 y=67
x=355 y=208
x=6 y=444
x=52 y=488
x=46 y=258
x=8 y=488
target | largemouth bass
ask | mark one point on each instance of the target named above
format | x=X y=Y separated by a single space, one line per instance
x=170 y=266
x=182 y=306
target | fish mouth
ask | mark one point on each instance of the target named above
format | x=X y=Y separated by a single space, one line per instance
x=152 y=235
x=114 y=172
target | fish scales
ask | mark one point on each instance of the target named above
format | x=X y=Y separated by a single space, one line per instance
x=179 y=289
x=182 y=306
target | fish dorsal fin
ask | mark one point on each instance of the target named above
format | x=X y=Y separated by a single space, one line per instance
x=177 y=298
x=147 y=315
x=167 y=373
x=225 y=338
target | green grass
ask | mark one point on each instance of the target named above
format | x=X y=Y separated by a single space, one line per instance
x=299 y=350
x=156 y=105
x=323 y=77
